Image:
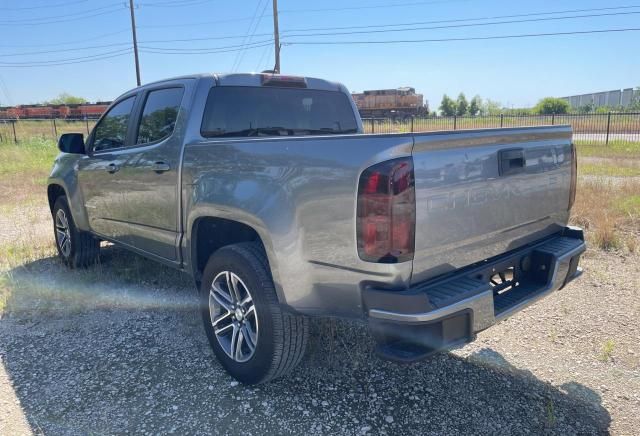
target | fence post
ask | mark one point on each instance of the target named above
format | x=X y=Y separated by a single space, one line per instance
x=553 y=119
x=455 y=122
x=608 y=127
x=55 y=129
x=501 y=120
x=15 y=137
x=373 y=126
x=411 y=124
x=86 y=121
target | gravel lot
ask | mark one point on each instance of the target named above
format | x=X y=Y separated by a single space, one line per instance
x=120 y=348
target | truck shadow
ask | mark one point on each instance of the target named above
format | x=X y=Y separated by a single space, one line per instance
x=119 y=348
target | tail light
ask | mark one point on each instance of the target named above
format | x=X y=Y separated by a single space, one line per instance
x=574 y=175
x=386 y=217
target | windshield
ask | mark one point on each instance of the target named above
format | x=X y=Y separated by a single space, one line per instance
x=235 y=111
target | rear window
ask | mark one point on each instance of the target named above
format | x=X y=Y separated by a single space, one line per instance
x=234 y=111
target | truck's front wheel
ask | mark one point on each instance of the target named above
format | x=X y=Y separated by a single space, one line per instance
x=252 y=337
x=75 y=247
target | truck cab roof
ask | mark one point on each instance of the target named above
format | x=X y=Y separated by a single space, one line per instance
x=256 y=79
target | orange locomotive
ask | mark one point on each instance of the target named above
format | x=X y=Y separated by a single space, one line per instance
x=391 y=103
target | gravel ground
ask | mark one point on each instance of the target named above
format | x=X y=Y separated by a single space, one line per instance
x=120 y=349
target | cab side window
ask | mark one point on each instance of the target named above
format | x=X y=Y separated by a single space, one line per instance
x=159 y=115
x=111 y=132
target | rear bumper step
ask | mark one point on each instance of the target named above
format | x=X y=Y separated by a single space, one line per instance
x=444 y=313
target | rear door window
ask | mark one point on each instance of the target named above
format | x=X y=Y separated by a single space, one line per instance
x=159 y=115
x=235 y=111
x=111 y=131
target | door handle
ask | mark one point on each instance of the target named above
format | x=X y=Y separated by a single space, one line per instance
x=511 y=161
x=160 y=167
x=112 y=168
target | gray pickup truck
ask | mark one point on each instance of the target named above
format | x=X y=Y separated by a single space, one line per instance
x=264 y=188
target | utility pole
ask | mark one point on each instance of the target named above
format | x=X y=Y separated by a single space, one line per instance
x=276 y=36
x=135 y=41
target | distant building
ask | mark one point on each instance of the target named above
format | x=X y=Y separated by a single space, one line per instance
x=607 y=98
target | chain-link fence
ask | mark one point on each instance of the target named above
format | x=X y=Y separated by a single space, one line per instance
x=592 y=128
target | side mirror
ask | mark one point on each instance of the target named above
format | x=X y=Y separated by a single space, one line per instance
x=71 y=143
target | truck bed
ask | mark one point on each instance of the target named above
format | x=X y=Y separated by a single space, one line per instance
x=300 y=195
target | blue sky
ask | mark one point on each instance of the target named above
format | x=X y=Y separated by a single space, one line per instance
x=515 y=72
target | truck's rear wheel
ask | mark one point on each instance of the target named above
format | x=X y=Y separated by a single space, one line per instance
x=254 y=340
x=75 y=248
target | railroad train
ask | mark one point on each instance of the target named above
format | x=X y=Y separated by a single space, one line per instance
x=391 y=103
x=40 y=111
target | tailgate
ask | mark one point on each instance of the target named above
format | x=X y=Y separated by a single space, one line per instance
x=480 y=193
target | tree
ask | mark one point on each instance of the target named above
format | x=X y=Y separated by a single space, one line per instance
x=586 y=108
x=635 y=100
x=475 y=105
x=491 y=107
x=462 y=105
x=448 y=106
x=551 y=105
x=66 y=98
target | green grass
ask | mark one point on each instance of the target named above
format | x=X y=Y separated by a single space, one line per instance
x=28 y=158
x=607 y=350
x=629 y=205
x=613 y=149
x=591 y=169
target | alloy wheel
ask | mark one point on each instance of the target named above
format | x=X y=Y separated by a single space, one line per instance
x=63 y=233
x=233 y=316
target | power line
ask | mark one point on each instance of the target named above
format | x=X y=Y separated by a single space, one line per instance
x=241 y=54
x=54 y=5
x=255 y=14
x=288 y=33
x=92 y=47
x=63 y=18
x=532 y=14
x=104 y=55
x=66 y=59
x=5 y=91
x=451 y=26
x=232 y=20
x=174 y=4
x=56 y=44
x=70 y=62
x=477 y=38
x=202 y=23
x=196 y=49
x=382 y=6
x=262 y=57
x=498 y=17
x=205 y=50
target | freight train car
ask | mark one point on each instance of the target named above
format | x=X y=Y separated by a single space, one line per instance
x=88 y=110
x=391 y=103
x=47 y=111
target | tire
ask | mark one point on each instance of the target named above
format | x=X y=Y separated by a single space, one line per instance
x=279 y=338
x=77 y=249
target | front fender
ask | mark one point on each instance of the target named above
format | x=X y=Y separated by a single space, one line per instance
x=65 y=174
